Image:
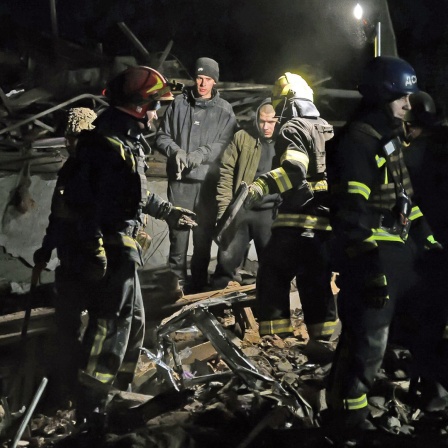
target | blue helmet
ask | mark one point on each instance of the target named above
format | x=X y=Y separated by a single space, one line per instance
x=387 y=78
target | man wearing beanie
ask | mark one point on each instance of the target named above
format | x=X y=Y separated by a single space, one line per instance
x=193 y=134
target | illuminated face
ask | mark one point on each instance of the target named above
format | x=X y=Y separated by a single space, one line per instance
x=400 y=106
x=204 y=85
x=266 y=124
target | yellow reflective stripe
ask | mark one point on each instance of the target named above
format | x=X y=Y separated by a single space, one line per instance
x=157 y=86
x=352 y=404
x=380 y=161
x=382 y=235
x=358 y=188
x=281 y=179
x=415 y=213
x=105 y=378
x=321 y=185
x=127 y=367
x=263 y=185
x=291 y=155
x=299 y=220
x=118 y=146
x=379 y=280
x=97 y=346
x=360 y=248
x=322 y=329
x=124 y=155
x=275 y=326
x=129 y=242
x=431 y=239
x=121 y=240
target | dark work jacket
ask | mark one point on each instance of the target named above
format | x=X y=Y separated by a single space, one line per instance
x=108 y=188
x=62 y=229
x=363 y=191
x=192 y=124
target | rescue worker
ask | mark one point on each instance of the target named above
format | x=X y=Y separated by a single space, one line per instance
x=108 y=192
x=300 y=233
x=427 y=134
x=420 y=324
x=195 y=130
x=372 y=213
x=61 y=233
x=249 y=155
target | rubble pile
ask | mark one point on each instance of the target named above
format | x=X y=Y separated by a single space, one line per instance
x=203 y=386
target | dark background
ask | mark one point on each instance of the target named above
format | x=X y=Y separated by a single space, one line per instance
x=253 y=40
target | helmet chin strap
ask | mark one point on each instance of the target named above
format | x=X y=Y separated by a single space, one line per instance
x=281 y=116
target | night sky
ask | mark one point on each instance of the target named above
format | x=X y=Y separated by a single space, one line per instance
x=253 y=40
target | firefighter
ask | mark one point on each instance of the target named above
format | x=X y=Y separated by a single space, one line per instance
x=61 y=234
x=421 y=324
x=298 y=246
x=372 y=214
x=108 y=196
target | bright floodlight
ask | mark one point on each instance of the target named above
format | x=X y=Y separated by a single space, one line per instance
x=357 y=12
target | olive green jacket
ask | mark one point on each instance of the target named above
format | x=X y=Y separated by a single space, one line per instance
x=239 y=163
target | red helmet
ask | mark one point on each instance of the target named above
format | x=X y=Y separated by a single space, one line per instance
x=137 y=90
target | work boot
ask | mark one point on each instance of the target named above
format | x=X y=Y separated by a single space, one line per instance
x=93 y=398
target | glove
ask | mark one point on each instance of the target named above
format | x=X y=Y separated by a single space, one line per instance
x=375 y=293
x=95 y=260
x=144 y=240
x=257 y=190
x=181 y=162
x=433 y=245
x=433 y=260
x=180 y=218
x=194 y=159
x=42 y=256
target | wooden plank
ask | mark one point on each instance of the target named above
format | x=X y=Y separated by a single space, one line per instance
x=41 y=321
x=249 y=319
x=191 y=298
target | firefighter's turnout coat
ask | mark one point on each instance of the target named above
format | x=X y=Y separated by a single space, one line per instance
x=372 y=215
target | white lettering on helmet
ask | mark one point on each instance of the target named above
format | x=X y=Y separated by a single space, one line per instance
x=411 y=80
x=200 y=69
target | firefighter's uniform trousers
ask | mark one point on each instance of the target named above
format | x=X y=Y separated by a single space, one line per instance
x=365 y=330
x=116 y=322
x=296 y=252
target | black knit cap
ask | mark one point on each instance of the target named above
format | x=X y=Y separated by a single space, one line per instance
x=207 y=67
